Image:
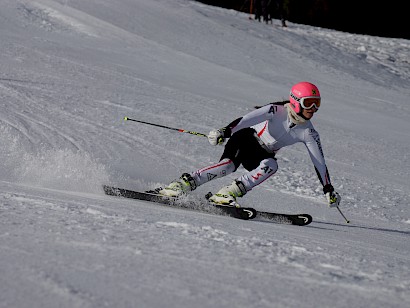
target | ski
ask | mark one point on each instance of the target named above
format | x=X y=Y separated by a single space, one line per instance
x=244 y=213
x=293 y=219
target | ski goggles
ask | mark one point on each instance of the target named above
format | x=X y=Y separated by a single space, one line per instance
x=307 y=102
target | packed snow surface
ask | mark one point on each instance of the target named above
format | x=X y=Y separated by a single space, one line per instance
x=71 y=70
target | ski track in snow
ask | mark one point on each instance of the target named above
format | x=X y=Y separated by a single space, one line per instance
x=71 y=71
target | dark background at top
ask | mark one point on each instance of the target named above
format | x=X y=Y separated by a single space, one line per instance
x=377 y=18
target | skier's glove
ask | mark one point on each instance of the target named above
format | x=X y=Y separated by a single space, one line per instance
x=333 y=198
x=216 y=136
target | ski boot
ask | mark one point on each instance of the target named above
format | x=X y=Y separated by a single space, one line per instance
x=178 y=187
x=227 y=195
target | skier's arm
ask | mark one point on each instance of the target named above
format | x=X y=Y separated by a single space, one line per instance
x=314 y=147
x=218 y=136
x=254 y=117
x=312 y=142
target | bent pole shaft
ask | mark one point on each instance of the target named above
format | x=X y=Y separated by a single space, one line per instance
x=167 y=127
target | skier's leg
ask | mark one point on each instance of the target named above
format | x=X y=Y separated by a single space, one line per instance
x=266 y=168
x=228 y=194
x=245 y=149
x=242 y=147
x=214 y=171
x=190 y=181
x=229 y=163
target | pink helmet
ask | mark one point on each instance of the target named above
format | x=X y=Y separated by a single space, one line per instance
x=304 y=95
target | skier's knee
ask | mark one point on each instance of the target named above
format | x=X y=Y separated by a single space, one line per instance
x=266 y=168
x=270 y=164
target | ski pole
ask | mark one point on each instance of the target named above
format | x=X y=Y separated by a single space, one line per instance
x=167 y=127
x=347 y=221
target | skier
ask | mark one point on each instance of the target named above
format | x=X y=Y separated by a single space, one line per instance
x=254 y=139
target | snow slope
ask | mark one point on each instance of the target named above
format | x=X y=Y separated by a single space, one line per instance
x=71 y=70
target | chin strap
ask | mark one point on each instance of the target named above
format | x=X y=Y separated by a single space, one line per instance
x=295 y=118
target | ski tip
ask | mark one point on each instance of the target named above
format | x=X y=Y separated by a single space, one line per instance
x=125 y=118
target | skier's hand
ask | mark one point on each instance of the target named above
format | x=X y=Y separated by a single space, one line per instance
x=333 y=198
x=216 y=136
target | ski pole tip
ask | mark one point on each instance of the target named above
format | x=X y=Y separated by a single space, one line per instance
x=344 y=217
x=125 y=118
